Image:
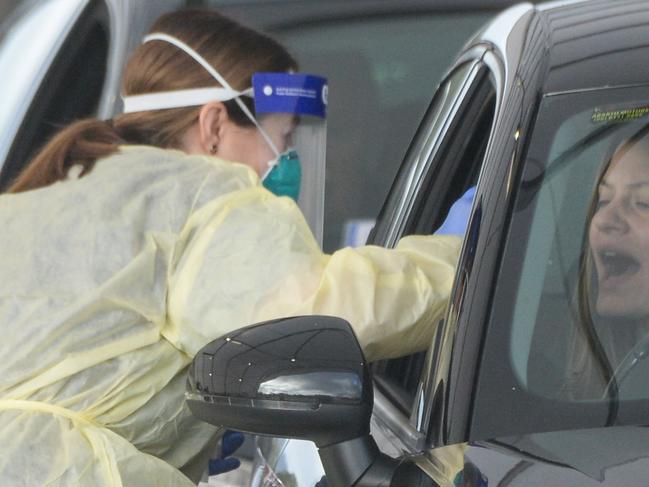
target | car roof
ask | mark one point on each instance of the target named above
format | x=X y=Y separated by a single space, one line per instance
x=576 y=45
x=597 y=43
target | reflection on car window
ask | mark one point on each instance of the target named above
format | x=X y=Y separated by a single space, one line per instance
x=581 y=314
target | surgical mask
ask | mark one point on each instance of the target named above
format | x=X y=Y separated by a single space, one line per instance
x=284 y=175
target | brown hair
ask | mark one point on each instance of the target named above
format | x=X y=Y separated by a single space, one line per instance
x=237 y=52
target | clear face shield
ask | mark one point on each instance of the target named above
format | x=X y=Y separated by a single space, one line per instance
x=297 y=105
x=290 y=115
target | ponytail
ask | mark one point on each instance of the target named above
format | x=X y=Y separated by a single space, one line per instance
x=81 y=143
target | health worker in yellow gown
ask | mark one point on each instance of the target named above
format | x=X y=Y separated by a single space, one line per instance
x=128 y=244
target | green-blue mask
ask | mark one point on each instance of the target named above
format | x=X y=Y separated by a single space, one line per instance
x=285 y=177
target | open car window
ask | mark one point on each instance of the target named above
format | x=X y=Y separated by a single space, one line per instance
x=452 y=141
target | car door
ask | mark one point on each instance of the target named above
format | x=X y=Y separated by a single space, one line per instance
x=443 y=162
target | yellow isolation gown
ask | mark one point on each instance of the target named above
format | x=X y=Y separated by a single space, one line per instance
x=110 y=283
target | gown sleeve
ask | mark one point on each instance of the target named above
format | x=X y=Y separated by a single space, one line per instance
x=250 y=256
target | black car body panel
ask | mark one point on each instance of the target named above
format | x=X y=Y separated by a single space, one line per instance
x=585 y=37
x=580 y=458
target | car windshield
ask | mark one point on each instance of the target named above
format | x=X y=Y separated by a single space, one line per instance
x=571 y=309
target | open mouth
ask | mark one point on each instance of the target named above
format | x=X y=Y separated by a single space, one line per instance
x=618 y=264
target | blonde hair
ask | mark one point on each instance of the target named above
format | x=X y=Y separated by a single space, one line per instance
x=236 y=52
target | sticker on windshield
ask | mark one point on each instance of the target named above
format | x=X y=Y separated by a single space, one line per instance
x=619 y=114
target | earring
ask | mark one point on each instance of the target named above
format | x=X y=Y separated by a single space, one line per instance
x=214 y=148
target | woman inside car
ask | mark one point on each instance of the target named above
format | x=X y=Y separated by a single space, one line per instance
x=129 y=244
x=614 y=284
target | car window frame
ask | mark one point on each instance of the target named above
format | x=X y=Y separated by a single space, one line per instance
x=395 y=218
x=414 y=208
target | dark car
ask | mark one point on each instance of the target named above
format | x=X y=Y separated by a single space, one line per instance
x=537 y=375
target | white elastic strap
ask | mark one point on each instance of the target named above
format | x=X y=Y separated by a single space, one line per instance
x=271 y=165
x=179 y=98
x=157 y=36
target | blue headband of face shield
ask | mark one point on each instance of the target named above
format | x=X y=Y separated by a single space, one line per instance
x=272 y=92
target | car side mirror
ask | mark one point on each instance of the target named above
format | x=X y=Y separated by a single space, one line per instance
x=303 y=377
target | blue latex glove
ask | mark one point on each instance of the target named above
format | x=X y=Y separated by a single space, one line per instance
x=458 y=216
x=230 y=442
